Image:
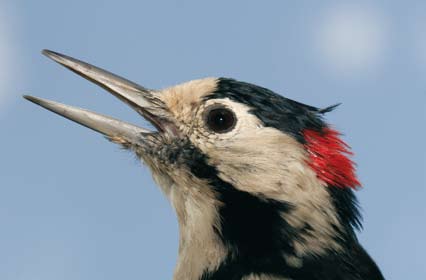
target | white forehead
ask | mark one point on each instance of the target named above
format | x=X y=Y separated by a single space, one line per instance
x=181 y=100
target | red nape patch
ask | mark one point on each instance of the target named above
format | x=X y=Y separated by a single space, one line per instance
x=329 y=158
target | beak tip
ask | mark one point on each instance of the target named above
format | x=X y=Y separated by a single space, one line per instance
x=33 y=99
x=28 y=97
x=55 y=56
x=47 y=52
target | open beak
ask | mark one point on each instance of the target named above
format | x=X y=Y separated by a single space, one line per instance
x=146 y=102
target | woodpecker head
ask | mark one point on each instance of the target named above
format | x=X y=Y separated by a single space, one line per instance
x=259 y=182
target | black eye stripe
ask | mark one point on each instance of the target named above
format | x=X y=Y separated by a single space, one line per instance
x=220 y=119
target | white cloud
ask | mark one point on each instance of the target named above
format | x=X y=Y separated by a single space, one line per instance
x=8 y=57
x=350 y=39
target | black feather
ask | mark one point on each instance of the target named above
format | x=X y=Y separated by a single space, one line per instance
x=271 y=108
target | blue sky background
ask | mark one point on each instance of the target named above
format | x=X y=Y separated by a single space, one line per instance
x=74 y=206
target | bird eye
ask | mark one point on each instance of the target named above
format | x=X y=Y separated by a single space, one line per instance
x=220 y=120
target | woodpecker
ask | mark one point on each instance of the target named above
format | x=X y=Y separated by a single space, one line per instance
x=262 y=186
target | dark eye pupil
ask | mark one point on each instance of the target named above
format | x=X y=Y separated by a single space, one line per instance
x=221 y=120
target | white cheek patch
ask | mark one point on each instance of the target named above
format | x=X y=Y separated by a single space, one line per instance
x=265 y=161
